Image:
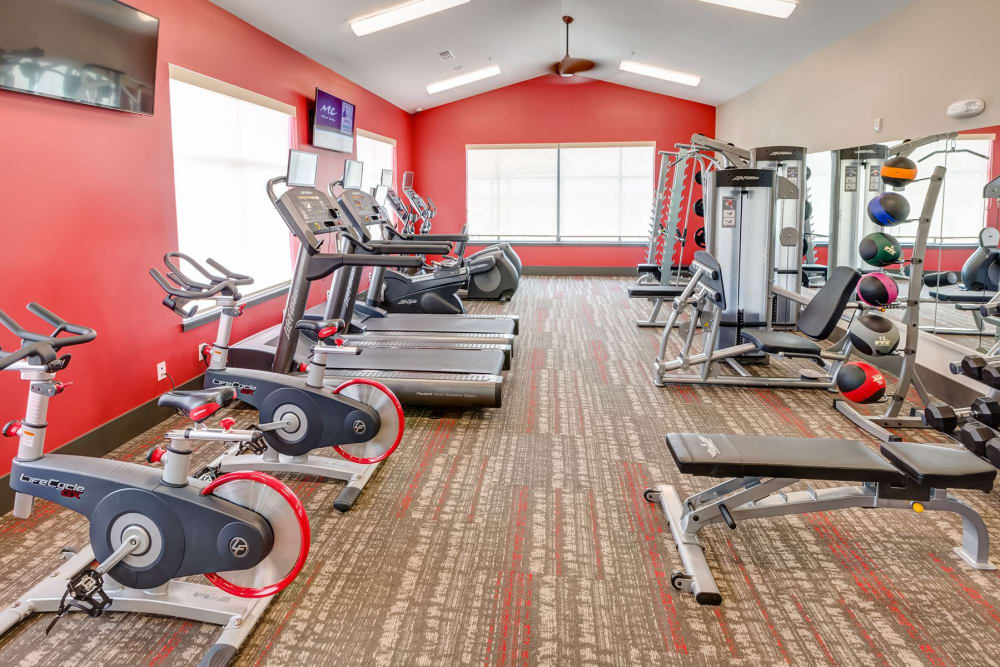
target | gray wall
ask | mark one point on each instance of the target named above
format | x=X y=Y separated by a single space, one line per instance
x=906 y=69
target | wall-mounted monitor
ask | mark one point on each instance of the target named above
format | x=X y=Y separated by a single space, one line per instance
x=96 y=52
x=333 y=123
x=302 y=168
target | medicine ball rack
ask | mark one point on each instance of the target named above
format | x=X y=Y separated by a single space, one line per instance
x=904 y=366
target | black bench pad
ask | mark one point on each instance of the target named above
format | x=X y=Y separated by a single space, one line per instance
x=649 y=268
x=941 y=466
x=795 y=458
x=655 y=291
x=956 y=293
x=774 y=342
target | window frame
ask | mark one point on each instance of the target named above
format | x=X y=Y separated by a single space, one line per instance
x=610 y=241
x=178 y=73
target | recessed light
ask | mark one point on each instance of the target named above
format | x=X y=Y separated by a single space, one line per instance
x=781 y=9
x=659 y=73
x=455 y=81
x=393 y=16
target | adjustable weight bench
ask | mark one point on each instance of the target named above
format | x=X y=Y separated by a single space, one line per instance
x=906 y=476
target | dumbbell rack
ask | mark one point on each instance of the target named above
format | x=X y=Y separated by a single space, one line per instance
x=904 y=366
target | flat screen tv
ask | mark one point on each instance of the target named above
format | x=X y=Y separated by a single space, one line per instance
x=96 y=52
x=333 y=123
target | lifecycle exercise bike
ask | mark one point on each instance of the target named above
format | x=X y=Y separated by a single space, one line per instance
x=246 y=532
x=362 y=420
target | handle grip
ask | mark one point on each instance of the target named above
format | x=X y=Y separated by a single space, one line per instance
x=384 y=260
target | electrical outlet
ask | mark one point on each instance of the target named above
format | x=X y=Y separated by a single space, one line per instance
x=202 y=348
x=161 y=371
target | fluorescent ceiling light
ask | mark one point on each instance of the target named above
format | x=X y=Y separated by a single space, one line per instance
x=393 y=16
x=461 y=80
x=780 y=9
x=659 y=73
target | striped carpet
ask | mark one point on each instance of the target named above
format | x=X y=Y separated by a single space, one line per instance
x=520 y=535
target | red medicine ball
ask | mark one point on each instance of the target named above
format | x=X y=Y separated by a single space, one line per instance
x=860 y=382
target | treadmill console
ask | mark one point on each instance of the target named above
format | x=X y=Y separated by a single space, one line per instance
x=361 y=208
x=308 y=212
x=397 y=205
x=418 y=201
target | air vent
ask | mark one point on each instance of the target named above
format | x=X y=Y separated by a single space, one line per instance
x=446 y=55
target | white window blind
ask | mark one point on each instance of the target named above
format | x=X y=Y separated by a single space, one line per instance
x=225 y=150
x=574 y=192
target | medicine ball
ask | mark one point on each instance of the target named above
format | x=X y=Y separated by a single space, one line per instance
x=888 y=209
x=809 y=173
x=699 y=237
x=874 y=335
x=878 y=290
x=860 y=382
x=898 y=171
x=809 y=210
x=699 y=208
x=880 y=249
x=697 y=177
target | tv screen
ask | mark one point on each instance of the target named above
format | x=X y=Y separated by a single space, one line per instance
x=333 y=123
x=96 y=52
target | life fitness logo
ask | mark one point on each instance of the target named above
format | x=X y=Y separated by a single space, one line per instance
x=66 y=489
x=746 y=178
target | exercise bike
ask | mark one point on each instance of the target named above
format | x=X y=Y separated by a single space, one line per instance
x=361 y=419
x=246 y=532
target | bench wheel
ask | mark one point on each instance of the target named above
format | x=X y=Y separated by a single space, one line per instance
x=651 y=495
x=275 y=502
x=381 y=399
x=680 y=581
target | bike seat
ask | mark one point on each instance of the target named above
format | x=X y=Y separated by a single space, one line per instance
x=198 y=404
x=322 y=328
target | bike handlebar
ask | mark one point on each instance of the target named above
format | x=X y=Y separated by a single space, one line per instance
x=45 y=347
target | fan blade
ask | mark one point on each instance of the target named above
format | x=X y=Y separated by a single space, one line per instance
x=569 y=66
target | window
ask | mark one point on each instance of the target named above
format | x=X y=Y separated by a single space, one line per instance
x=377 y=153
x=961 y=210
x=560 y=192
x=226 y=147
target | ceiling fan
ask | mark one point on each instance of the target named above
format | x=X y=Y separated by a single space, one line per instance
x=569 y=66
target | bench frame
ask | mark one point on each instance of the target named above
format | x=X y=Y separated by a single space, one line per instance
x=742 y=498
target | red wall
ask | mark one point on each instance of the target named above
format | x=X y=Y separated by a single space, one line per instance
x=88 y=208
x=546 y=109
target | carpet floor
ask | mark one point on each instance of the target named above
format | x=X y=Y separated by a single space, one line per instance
x=520 y=535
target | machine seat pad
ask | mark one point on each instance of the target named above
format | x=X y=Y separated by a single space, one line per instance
x=793 y=458
x=655 y=291
x=818 y=319
x=198 y=404
x=774 y=342
x=941 y=466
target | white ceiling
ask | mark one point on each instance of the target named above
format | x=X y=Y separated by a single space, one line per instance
x=731 y=50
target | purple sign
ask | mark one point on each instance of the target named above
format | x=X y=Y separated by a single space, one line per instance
x=333 y=113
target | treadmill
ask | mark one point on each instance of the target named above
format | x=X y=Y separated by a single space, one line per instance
x=361 y=209
x=467 y=378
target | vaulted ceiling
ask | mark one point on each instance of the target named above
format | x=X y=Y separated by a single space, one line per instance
x=731 y=50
